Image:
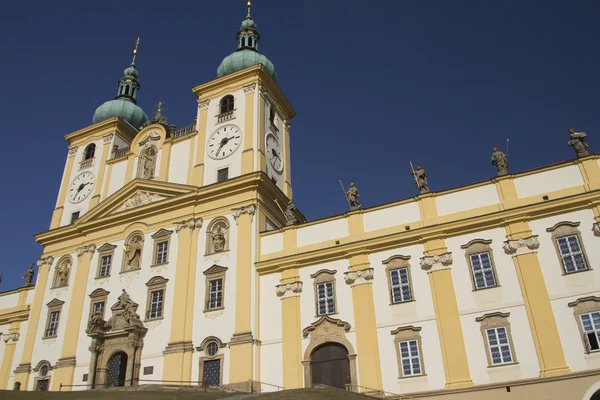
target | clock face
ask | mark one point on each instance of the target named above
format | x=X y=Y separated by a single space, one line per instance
x=274 y=153
x=81 y=187
x=224 y=142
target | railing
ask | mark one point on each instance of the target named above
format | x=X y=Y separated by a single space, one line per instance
x=257 y=384
x=226 y=116
x=62 y=385
x=86 y=163
x=186 y=130
x=369 y=391
x=121 y=152
x=273 y=128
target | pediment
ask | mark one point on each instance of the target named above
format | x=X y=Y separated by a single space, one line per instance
x=162 y=233
x=136 y=194
x=326 y=326
x=55 y=303
x=215 y=269
x=106 y=247
x=99 y=293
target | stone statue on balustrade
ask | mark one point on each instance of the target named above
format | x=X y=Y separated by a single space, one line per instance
x=420 y=177
x=289 y=214
x=577 y=142
x=28 y=277
x=500 y=161
x=352 y=195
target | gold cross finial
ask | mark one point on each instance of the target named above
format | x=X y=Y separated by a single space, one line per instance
x=135 y=50
x=159 y=107
x=249 y=5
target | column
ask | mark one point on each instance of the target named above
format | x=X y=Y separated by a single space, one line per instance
x=198 y=168
x=58 y=211
x=248 y=153
x=360 y=278
x=23 y=370
x=242 y=342
x=437 y=262
x=522 y=245
x=165 y=159
x=106 y=148
x=289 y=291
x=178 y=353
x=64 y=369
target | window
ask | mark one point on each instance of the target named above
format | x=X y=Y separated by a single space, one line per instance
x=495 y=330
x=587 y=314
x=89 y=152
x=161 y=252
x=272 y=115
x=98 y=307
x=399 y=280
x=98 y=300
x=481 y=264
x=227 y=104
x=105 y=259
x=74 y=217
x=408 y=350
x=324 y=281
x=222 y=174
x=162 y=239
x=590 y=323
x=215 y=288
x=212 y=348
x=54 y=309
x=569 y=247
x=156 y=297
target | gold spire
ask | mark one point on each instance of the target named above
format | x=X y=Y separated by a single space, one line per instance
x=135 y=50
x=159 y=108
x=249 y=5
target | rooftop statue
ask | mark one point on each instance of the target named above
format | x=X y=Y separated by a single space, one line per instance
x=29 y=274
x=577 y=142
x=352 y=196
x=500 y=160
x=289 y=213
x=420 y=177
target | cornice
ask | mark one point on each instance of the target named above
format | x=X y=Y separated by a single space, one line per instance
x=110 y=126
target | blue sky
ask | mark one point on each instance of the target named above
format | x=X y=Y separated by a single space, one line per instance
x=375 y=84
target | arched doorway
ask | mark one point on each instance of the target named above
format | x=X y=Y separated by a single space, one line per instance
x=596 y=395
x=329 y=365
x=116 y=369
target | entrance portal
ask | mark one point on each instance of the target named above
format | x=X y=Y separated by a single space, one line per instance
x=329 y=365
x=116 y=370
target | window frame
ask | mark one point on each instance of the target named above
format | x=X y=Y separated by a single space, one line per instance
x=156 y=284
x=86 y=150
x=476 y=247
x=161 y=236
x=98 y=296
x=585 y=305
x=219 y=170
x=393 y=263
x=407 y=334
x=224 y=102
x=320 y=277
x=216 y=272
x=54 y=306
x=564 y=229
x=494 y=321
x=105 y=250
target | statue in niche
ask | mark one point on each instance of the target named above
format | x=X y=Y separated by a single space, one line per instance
x=289 y=213
x=352 y=196
x=29 y=274
x=577 y=142
x=63 y=274
x=500 y=160
x=133 y=252
x=420 y=177
x=148 y=163
x=218 y=239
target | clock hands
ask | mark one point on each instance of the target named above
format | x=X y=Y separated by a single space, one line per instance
x=80 y=188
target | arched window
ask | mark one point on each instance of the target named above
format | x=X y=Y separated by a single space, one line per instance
x=89 y=152
x=272 y=115
x=227 y=104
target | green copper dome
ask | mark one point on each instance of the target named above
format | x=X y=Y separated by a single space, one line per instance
x=248 y=23
x=243 y=59
x=123 y=108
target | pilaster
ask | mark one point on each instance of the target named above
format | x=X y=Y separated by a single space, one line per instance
x=590 y=172
x=248 y=153
x=523 y=248
x=178 y=353
x=198 y=169
x=165 y=160
x=65 y=367
x=106 y=149
x=507 y=191
x=62 y=194
x=11 y=338
x=289 y=291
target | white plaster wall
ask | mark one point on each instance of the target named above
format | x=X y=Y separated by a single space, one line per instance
x=117 y=177
x=10 y=300
x=80 y=370
x=234 y=161
x=156 y=361
x=3 y=330
x=271 y=366
x=325 y=231
x=270 y=309
x=469 y=300
x=30 y=296
x=467 y=199
x=523 y=351
x=179 y=163
x=571 y=340
x=18 y=353
x=581 y=283
x=548 y=181
x=407 y=313
x=392 y=216
x=271 y=243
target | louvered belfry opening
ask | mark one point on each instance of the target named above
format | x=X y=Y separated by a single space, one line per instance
x=330 y=366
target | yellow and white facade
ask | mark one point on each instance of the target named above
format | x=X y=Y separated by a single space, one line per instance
x=288 y=291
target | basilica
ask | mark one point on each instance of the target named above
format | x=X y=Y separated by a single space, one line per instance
x=176 y=256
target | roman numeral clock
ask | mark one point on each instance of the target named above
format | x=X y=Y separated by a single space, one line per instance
x=224 y=142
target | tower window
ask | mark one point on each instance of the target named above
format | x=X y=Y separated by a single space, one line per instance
x=272 y=115
x=222 y=174
x=74 y=216
x=227 y=104
x=89 y=152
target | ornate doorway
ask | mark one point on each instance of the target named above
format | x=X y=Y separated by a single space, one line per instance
x=329 y=365
x=116 y=368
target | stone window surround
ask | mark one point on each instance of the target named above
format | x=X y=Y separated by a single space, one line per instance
x=496 y=320
x=205 y=357
x=397 y=262
x=215 y=221
x=162 y=235
x=64 y=260
x=476 y=246
x=403 y=334
x=580 y=306
x=213 y=273
x=97 y=296
x=154 y=284
x=37 y=369
x=124 y=261
x=105 y=250
x=53 y=305
x=566 y=228
x=322 y=276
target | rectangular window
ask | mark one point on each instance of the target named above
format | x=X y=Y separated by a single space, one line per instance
x=99 y=306
x=105 y=264
x=215 y=298
x=161 y=252
x=53 y=324
x=499 y=346
x=325 y=298
x=74 y=217
x=483 y=272
x=400 y=285
x=571 y=253
x=222 y=174
x=156 y=304
x=591 y=328
x=410 y=358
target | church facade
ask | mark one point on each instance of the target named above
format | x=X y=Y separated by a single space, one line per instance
x=171 y=258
